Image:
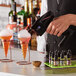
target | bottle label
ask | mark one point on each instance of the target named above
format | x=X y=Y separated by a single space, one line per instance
x=21 y=17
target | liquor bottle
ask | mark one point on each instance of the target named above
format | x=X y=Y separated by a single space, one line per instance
x=35 y=3
x=69 y=57
x=29 y=19
x=22 y=15
x=11 y=12
x=30 y=4
x=30 y=13
x=26 y=6
x=62 y=58
x=18 y=24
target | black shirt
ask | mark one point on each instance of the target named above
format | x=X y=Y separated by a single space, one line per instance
x=62 y=8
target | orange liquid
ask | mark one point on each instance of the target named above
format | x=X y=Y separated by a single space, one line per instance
x=24 y=49
x=5 y=37
x=24 y=45
x=6 y=42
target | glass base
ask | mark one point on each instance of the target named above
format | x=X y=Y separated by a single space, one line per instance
x=6 y=60
x=23 y=63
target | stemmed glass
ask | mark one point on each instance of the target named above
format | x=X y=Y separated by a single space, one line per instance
x=24 y=45
x=5 y=37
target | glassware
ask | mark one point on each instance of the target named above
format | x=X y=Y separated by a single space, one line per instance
x=6 y=45
x=24 y=45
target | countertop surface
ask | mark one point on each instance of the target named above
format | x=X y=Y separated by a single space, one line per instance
x=7 y=69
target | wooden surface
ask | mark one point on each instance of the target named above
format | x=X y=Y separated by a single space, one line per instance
x=3 y=5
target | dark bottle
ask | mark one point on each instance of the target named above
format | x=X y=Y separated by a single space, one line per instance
x=10 y=20
x=23 y=15
x=65 y=57
x=18 y=24
x=69 y=57
x=14 y=16
x=58 y=53
x=12 y=13
x=62 y=58
x=52 y=58
x=40 y=26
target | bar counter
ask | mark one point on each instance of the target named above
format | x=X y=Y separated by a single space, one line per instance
x=7 y=69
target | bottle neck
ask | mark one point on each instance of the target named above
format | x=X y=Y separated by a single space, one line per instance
x=13 y=5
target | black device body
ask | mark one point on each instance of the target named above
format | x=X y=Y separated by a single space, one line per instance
x=42 y=23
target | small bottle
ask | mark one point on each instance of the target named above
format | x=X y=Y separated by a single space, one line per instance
x=58 y=53
x=69 y=57
x=65 y=57
x=62 y=58
x=52 y=58
x=55 y=59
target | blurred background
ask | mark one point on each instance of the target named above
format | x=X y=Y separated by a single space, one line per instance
x=18 y=15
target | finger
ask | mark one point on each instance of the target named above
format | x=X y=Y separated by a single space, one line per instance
x=60 y=33
x=57 y=29
x=53 y=29
x=49 y=28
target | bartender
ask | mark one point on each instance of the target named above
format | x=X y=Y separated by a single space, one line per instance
x=64 y=12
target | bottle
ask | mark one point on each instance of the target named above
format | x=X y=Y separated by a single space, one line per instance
x=69 y=57
x=30 y=12
x=65 y=57
x=11 y=12
x=58 y=53
x=26 y=6
x=62 y=58
x=56 y=59
x=29 y=19
x=52 y=58
x=18 y=24
x=30 y=4
x=22 y=14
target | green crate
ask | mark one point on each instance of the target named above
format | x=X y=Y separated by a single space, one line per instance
x=65 y=66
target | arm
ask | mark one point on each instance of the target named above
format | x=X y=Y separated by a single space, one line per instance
x=61 y=24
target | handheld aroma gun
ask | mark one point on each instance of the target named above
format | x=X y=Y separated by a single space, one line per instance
x=40 y=26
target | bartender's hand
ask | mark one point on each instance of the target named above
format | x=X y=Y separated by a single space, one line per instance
x=60 y=24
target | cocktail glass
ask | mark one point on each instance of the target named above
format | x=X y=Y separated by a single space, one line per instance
x=24 y=45
x=6 y=44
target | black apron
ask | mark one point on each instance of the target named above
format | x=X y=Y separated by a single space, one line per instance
x=62 y=8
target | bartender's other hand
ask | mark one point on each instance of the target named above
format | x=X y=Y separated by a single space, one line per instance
x=59 y=25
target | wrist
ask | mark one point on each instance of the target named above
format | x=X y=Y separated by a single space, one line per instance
x=72 y=19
